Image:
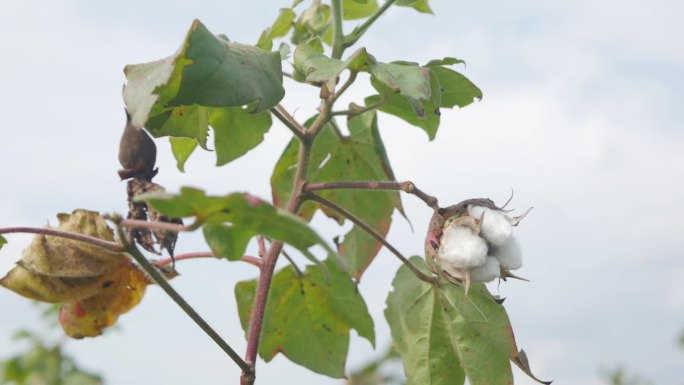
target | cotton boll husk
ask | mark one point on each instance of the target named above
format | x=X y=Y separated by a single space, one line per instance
x=487 y=272
x=461 y=248
x=496 y=226
x=509 y=254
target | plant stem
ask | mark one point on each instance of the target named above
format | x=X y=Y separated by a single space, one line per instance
x=361 y=29
x=269 y=262
x=372 y=232
x=338 y=34
x=346 y=85
x=292 y=262
x=360 y=110
x=104 y=244
x=281 y=113
x=205 y=254
x=149 y=268
x=407 y=187
x=155 y=225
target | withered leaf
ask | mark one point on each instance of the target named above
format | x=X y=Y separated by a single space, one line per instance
x=60 y=257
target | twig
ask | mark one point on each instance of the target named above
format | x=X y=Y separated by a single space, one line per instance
x=205 y=254
x=281 y=113
x=180 y=301
x=350 y=80
x=337 y=130
x=372 y=232
x=292 y=262
x=356 y=34
x=155 y=225
x=104 y=244
x=361 y=110
x=262 y=245
x=407 y=187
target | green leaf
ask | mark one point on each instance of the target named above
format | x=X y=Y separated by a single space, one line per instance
x=411 y=81
x=3 y=241
x=207 y=71
x=444 y=336
x=355 y=9
x=311 y=65
x=308 y=317
x=237 y=131
x=456 y=89
x=245 y=213
x=360 y=156
x=400 y=107
x=284 y=51
x=281 y=26
x=227 y=241
x=419 y=5
x=312 y=22
x=445 y=61
x=182 y=148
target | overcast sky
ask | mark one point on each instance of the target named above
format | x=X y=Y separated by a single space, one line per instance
x=581 y=116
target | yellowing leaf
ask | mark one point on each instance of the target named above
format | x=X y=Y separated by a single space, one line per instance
x=51 y=289
x=89 y=317
x=60 y=257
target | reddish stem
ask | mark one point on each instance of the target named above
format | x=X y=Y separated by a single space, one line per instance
x=407 y=187
x=372 y=232
x=206 y=254
x=262 y=245
x=137 y=223
x=107 y=245
x=269 y=263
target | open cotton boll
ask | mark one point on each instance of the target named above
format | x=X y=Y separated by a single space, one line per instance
x=461 y=248
x=487 y=272
x=509 y=254
x=496 y=226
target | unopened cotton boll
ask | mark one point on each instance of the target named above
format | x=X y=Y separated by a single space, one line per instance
x=461 y=248
x=509 y=254
x=496 y=226
x=487 y=272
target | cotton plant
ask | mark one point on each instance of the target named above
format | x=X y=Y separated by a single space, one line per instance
x=473 y=241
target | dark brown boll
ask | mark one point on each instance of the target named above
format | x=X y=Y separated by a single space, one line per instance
x=137 y=153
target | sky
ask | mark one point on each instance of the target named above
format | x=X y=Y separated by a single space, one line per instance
x=581 y=117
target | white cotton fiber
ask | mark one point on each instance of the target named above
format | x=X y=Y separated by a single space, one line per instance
x=461 y=248
x=509 y=254
x=496 y=226
x=487 y=272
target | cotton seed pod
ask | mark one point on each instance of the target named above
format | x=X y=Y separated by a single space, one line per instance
x=461 y=248
x=442 y=218
x=509 y=254
x=488 y=272
x=496 y=225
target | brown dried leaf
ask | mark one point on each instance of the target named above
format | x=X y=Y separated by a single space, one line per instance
x=51 y=289
x=139 y=210
x=65 y=258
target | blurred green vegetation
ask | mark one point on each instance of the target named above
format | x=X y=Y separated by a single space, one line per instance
x=42 y=362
